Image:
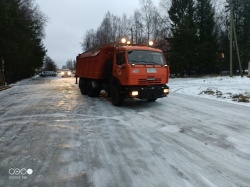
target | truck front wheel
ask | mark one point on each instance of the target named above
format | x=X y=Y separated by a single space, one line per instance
x=116 y=98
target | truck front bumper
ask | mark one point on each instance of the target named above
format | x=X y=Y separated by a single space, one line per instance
x=147 y=92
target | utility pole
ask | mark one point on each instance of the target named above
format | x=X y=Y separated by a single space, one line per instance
x=231 y=37
x=237 y=49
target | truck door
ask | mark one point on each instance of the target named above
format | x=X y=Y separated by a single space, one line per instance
x=120 y=67
x=120 y=59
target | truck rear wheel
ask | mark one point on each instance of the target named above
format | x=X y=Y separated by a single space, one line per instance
x=116 y=98
x=89 y=87
x=82 y=86
x=93 y=89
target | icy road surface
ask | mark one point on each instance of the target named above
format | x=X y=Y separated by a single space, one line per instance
x=51 y=135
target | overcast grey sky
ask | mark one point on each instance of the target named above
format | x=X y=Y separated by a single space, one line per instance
x=68 y=21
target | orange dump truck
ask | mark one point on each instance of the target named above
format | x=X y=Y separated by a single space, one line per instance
x=123 y=71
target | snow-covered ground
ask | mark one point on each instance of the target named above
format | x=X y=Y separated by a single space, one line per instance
x=228 y=89
x=68 y=139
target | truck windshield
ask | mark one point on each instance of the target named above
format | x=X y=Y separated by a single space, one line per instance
x=145 y=57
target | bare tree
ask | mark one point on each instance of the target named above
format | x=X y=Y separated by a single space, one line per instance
x=89 y=40
x=124 y=27
x=111 y=29
x=70 y=64
x=164 y=17
x=157 y=27
x=149 y=12
x=138 y=26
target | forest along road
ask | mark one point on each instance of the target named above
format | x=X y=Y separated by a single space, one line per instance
x=51 y=135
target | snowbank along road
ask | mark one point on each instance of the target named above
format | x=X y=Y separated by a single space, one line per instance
x=51 y=135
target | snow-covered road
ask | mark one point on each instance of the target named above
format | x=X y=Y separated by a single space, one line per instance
x=66 y=139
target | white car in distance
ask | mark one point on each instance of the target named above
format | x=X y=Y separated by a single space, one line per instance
x=66 y=73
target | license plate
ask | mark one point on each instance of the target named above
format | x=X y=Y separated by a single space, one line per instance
x=151 y=70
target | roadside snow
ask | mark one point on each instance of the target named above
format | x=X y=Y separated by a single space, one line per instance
x=227 y=89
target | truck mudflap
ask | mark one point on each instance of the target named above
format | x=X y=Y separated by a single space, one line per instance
x=147 y=92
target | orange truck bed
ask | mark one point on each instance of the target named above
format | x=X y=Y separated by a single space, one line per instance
x=90 y=64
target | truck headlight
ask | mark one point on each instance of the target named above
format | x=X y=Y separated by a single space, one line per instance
x=166 y=91
x=135 y=93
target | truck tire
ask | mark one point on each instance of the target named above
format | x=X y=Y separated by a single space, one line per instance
x=116 y=98
x=89 y=87
x=92 y=89
x=82 y=86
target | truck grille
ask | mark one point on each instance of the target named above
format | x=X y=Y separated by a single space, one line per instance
x=149 y=80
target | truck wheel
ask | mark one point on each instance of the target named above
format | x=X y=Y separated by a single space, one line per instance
x=82 y=86
x=90 y=91
x=116 y=98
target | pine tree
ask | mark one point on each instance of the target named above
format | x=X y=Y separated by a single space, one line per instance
x=242 y=25
x=183 y=54
x=207 y=47
x=21 y=33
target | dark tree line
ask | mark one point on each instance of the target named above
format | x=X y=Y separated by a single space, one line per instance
x=242 y=24
x=21 y=33
x=194 y=45
x=49 y=64
x=193 y=33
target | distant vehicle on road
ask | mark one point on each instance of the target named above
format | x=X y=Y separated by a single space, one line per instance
x=66 y=73
x=48 y=73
